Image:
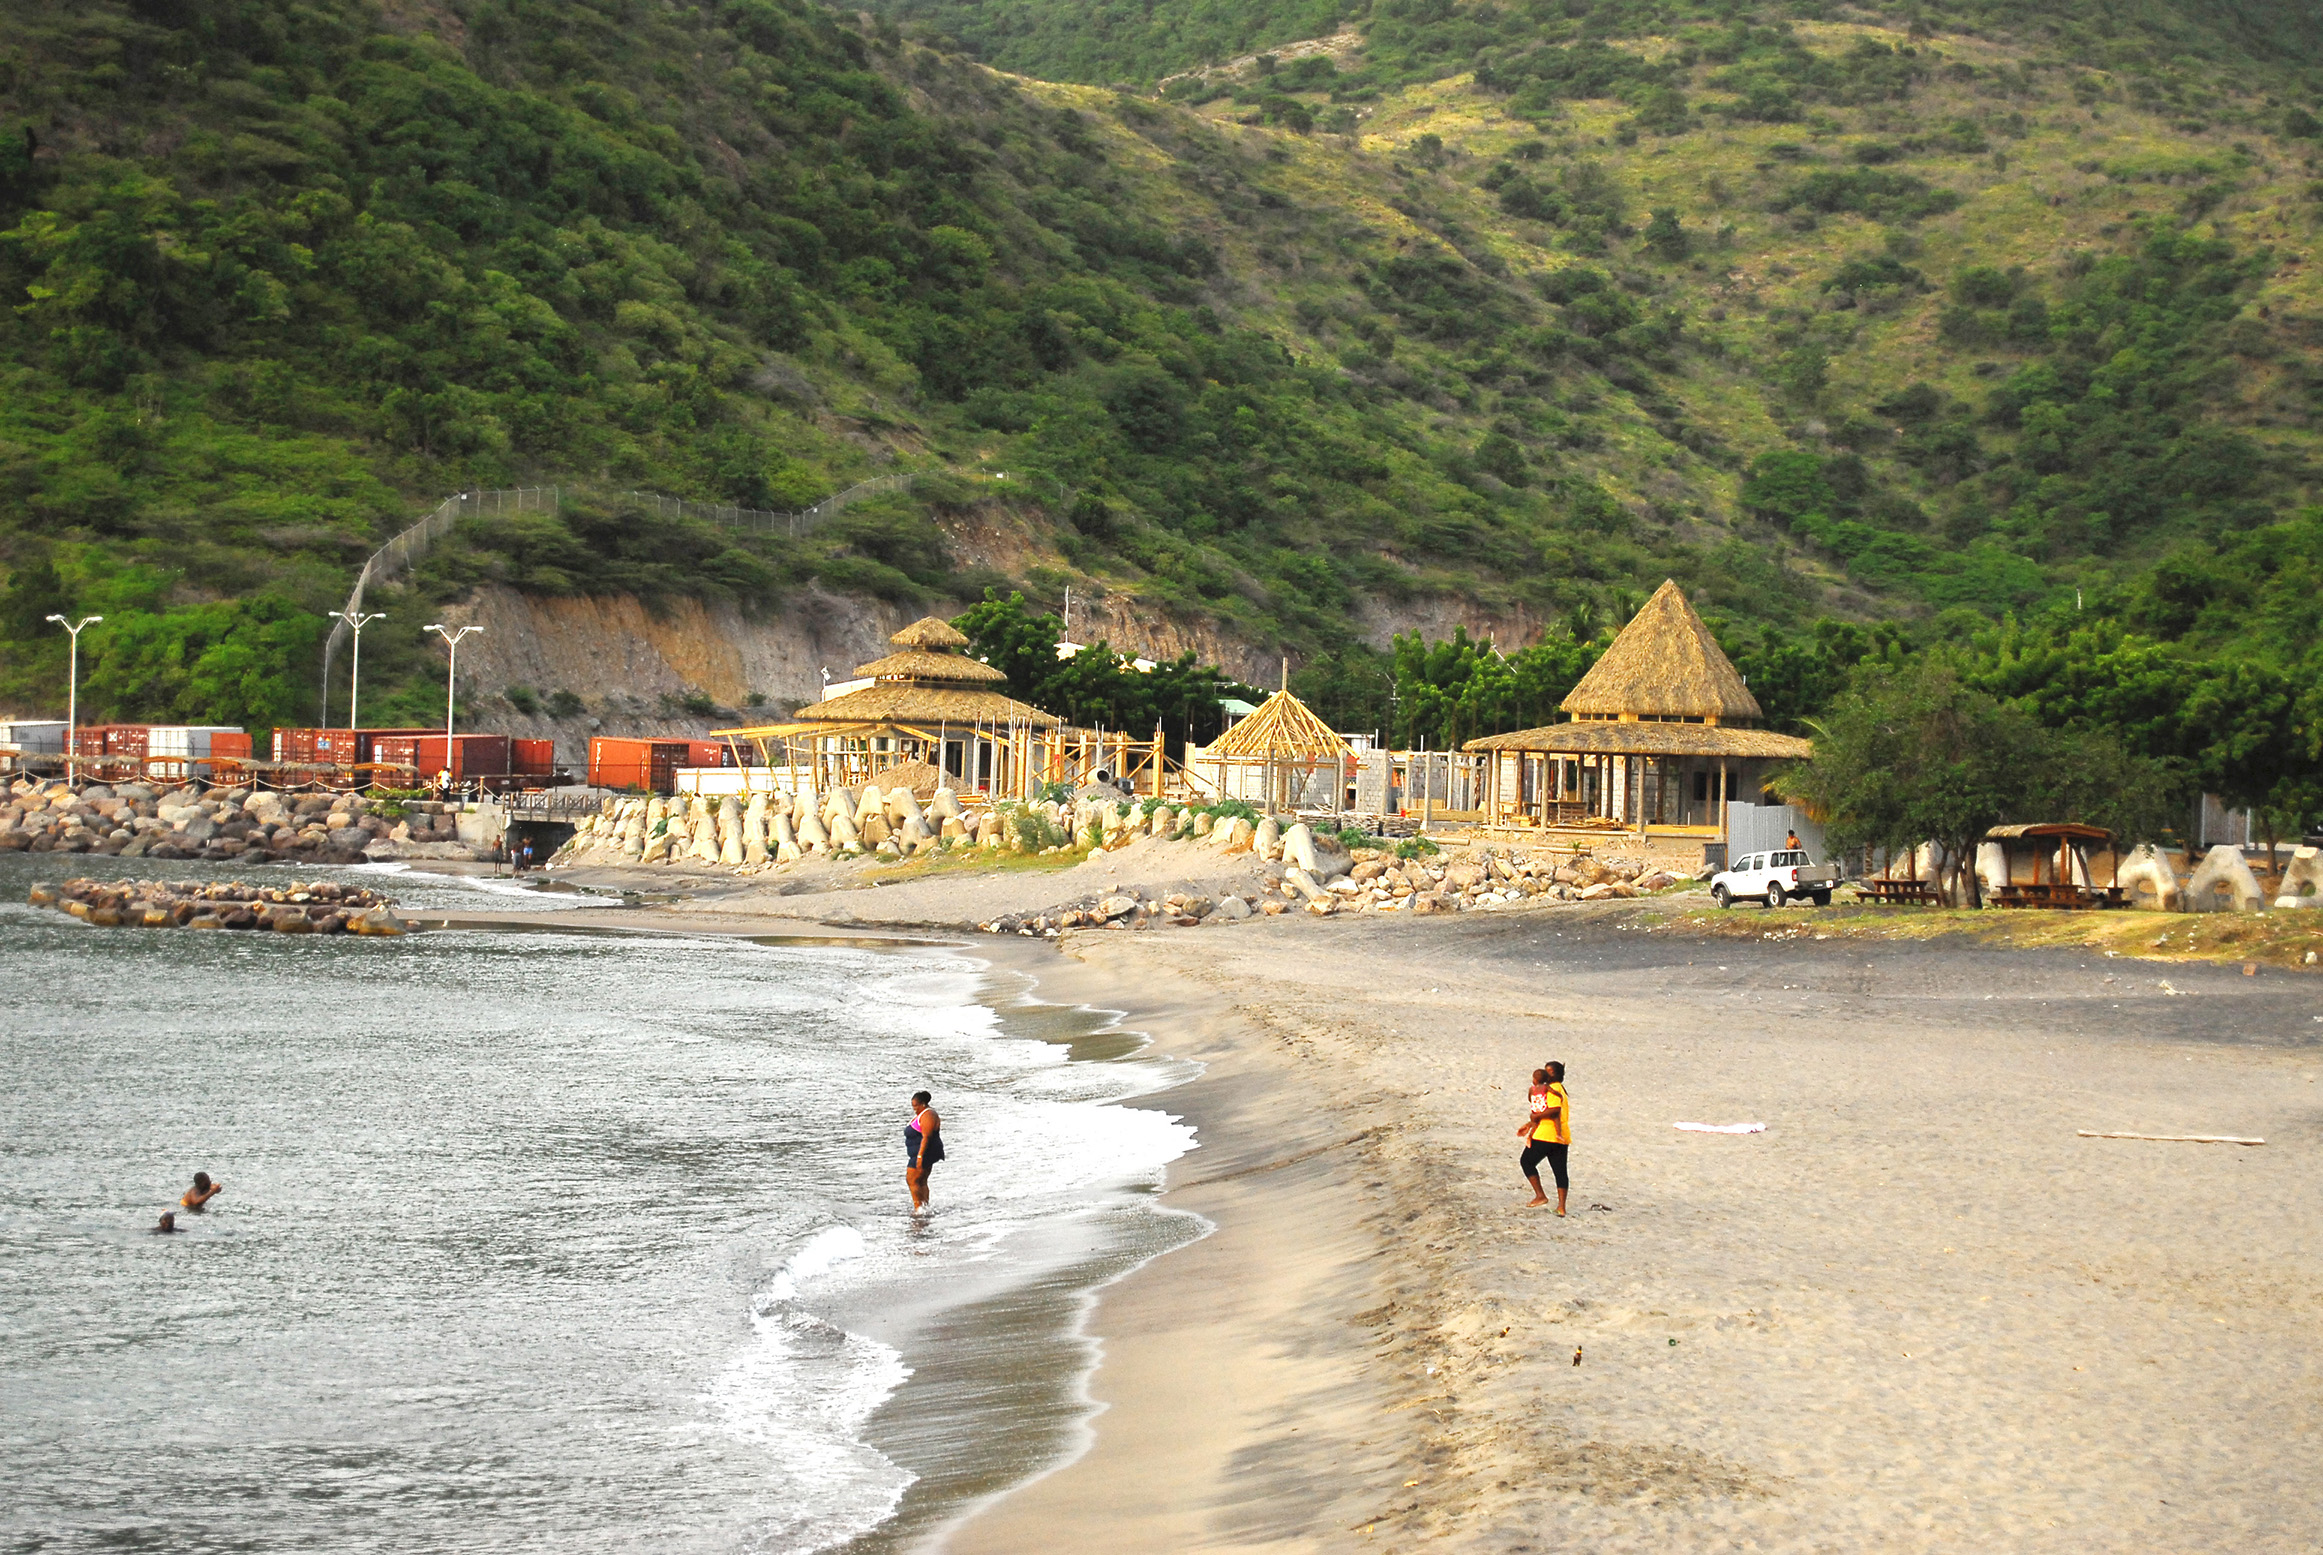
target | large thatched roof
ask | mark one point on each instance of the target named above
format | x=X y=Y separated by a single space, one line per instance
x=919 y=664
x=1284 y=727
x=1665 y=663
x=1600 y=738
x=911 y=702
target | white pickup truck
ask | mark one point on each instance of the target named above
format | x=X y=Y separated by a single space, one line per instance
x=1775 y=878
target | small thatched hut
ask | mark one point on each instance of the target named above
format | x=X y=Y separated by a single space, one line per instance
x=1281 y=757
x=1663 y=733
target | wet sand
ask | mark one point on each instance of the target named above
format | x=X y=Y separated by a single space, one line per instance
x=1918 y=1313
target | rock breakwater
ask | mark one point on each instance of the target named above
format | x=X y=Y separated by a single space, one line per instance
x=255 y=826
x=319 y=908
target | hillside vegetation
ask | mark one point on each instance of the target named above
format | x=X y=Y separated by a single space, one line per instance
x=1878 y=331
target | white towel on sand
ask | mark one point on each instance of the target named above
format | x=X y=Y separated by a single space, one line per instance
x=1721 y=1128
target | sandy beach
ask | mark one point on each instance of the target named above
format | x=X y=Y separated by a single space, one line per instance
x=1917 y=1313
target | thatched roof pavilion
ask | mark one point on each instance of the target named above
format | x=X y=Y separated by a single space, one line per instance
x=928 y=703
x=1662 y=736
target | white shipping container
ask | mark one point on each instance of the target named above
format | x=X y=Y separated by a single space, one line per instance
x=184 y=739
x=34 y=736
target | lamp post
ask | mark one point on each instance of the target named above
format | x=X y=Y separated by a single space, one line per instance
x=451 y=673
x=73 y=686
x=356 y=620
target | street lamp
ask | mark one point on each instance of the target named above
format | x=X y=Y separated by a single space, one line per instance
x=451 y=673
x=356 y=620
x=73 y=686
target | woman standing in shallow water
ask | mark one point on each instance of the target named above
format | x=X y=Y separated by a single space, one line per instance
x=923 y=1144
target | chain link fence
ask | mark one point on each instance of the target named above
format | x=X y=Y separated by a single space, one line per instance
x=410 y=545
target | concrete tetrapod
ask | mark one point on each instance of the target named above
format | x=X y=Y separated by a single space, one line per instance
x=754 y=831
x=2223 y=883
x=730 y=832
x=2302 y=882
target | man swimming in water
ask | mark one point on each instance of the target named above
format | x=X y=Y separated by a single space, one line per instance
x=167 y=1225
x=201 y=1193
x=923 y=1144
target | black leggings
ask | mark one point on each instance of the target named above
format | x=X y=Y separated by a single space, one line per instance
x=1541 y=1150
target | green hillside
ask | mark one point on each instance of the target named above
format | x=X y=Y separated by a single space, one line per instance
x=1875 y=336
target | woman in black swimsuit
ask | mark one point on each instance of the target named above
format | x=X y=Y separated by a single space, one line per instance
x=923 y=1144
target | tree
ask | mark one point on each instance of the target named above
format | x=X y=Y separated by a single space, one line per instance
x=1666 y=238
x=1914 y=755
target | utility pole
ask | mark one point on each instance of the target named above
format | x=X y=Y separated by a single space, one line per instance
x=451 y=675
x=73 y=687
x=356 y=621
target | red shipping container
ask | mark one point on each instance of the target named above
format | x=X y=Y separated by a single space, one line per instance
x=532 y=758
x=646 y=765
x=295 y=744
x=473 y=755
x=708 y=753
x=395 y=749
x=127 y=740
x=229 y=747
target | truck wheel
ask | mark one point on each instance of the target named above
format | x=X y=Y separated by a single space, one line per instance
x=1774 y=895
x=1822 y=898
x=1718 y=895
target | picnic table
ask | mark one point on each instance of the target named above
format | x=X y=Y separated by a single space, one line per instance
x=2057 y=894
x=1899 y=893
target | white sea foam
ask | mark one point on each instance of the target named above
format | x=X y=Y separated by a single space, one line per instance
x=802 y=1389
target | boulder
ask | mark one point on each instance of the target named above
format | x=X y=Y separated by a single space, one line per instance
x=1234 y=834
x=1266 y=839
x=1113 y=907
x=2223 y=882
x=1298 y=848
x=1323 y=906
x=1231 y=909
x=1298 y=880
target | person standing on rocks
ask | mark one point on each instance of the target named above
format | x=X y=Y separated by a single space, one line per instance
x=923 y=1144
x=1547 y=1131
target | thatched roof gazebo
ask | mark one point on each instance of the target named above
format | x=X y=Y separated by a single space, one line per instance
x=1280 y=757
x=929 y=704
x=1662 y=736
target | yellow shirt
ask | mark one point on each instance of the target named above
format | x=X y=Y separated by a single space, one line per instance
x=1559 y=1129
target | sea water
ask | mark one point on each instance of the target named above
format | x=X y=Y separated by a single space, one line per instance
x=544 y=1240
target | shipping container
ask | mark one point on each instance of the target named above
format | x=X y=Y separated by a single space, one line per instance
x=229 y=747
x=709 y=753
x=110 y=740
x=646 y=765
x=532 y=758
x=34 y=736
x=473 y=755
x=185 y=740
